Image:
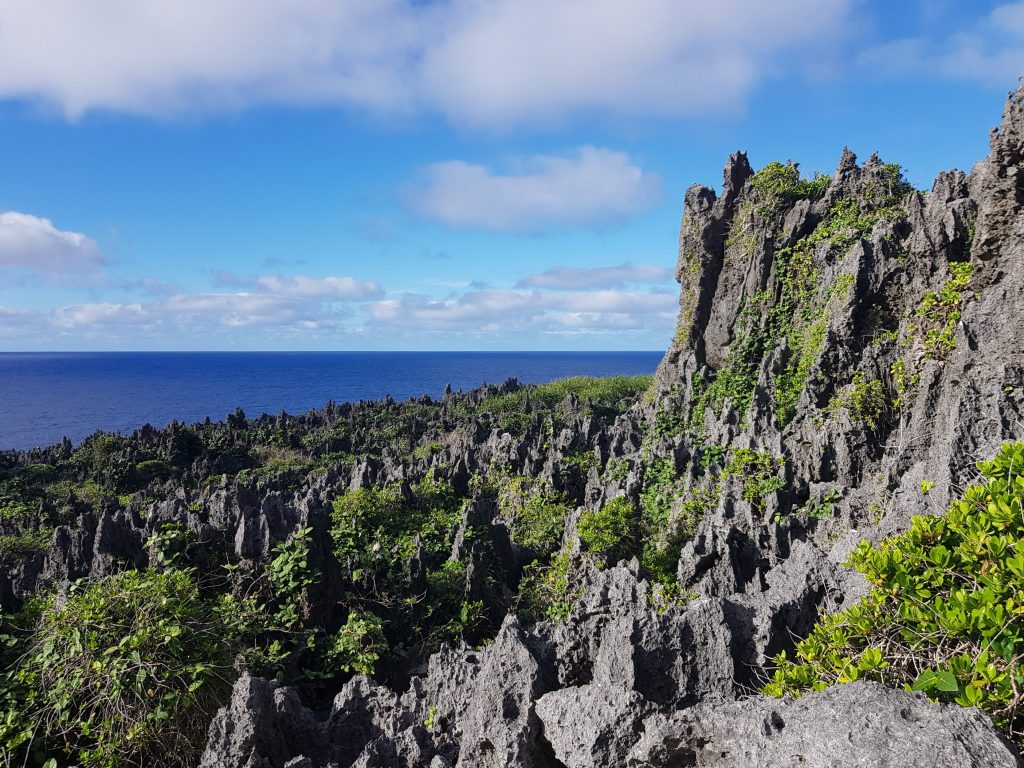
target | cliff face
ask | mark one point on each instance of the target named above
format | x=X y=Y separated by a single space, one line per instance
x=847 y=349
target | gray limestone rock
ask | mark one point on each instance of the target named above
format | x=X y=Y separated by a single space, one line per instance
x=861 y=725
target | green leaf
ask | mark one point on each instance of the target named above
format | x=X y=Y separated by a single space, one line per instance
x=947 y=682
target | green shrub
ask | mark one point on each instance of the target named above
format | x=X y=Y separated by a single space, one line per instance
x=153 y=469
x=823 y=506
x=780 y=184
x=27 y=542
x=358 y=645
x=944 y=614
x=124 y=671
x=759 y=473
x=374 y=529
x=610 y=533
x=939 y=313
x=544 y=590
x=291 y=576
x=538 y=521
x=615 y=392
x=864 y=401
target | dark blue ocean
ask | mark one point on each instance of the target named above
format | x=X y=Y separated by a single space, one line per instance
x=45 y=396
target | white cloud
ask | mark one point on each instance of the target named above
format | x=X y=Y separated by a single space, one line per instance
x=579 y=279
x=33 y=246
x=198 y=313
x=341 y=288
x=498 y=311
x=515 y=61
x=312 y=312
x=101 y=313
x=18 y=322
x=592 y=186
x=300 y=286
x=990 y=51
x=491 y=63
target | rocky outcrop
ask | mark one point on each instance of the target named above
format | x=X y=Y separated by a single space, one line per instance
x=859 y=724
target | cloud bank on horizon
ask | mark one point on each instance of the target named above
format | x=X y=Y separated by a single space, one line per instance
x=509 y=176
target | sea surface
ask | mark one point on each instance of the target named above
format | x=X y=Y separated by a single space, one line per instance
x=45 y=396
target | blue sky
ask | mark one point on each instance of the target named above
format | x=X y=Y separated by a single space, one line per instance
x=454 y=174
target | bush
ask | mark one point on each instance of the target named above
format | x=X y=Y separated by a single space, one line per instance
x=781 y=184
x=125 y=671
x=536 y=512
x=939 y=313
x=375 y=529
x=864 y=401
x=610 y=532
x=944 y=615
x=759 y=473
x=153 y=469
x=358 y=645
x=544 y=590
x=612 y=392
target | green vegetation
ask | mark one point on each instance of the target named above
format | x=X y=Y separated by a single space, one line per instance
x=537 y=514
x=376 y=532
x=358 y=645
x=126 y=670
x=23 y=543
x=609 y=533
x=864 y=401
x=944 y=613
x=758 y=472
x=903 y=380
x=690 y=295
x=823 y=506
x=611 y=392
x=938 y=313
x=544 y=589
x=780 y=185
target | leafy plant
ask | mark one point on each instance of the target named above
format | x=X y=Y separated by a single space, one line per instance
x=758 y=471
x=939 y=312
x=358 y=645
x=609 y=532
x=864 y=401
x=823 y=506
x=944 y=614
x=126 y=670
x=291 y=576
x=612 y=392
x=537 y=514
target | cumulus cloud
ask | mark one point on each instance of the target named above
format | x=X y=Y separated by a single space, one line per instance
x=590 y=186
x=491 y=63
x=494 y=311
x=301 y=286
x=989 y=52
x=200 y=312
x=297 y=304
x=580 y=278
x=17 y=322
x=474 y=312
x=34 y=246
